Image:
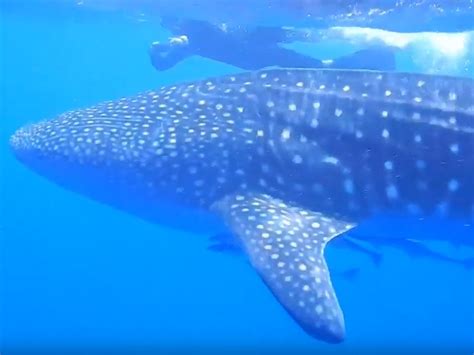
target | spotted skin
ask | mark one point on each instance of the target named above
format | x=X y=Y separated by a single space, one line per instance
x=286 y=245
x=287 y=159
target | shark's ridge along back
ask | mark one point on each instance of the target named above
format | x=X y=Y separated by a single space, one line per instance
x=288 y=159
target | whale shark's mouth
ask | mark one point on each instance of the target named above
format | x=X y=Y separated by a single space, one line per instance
x=34 y=146
x=22 y=141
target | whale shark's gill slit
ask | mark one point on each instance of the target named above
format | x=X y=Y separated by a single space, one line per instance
x=285 y=244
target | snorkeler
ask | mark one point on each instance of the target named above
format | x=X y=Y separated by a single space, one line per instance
x=252 y=49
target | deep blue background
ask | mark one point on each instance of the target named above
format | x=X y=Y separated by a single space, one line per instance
x=77 y=273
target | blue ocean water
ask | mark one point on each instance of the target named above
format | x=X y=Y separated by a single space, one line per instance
x=78 y=274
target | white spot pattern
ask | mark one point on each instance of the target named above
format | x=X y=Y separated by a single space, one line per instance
x=282 y=255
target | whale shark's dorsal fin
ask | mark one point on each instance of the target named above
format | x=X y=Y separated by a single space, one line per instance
x=285 y=244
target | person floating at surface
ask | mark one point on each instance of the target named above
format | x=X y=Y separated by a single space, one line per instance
x=252 y=49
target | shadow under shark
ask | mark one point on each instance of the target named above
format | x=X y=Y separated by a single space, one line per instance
x=288 y=159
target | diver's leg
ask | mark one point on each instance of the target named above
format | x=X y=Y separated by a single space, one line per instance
x=375 y=58
x=369 y=59
x=286 y=34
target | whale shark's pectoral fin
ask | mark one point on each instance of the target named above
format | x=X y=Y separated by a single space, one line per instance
x=285 y=244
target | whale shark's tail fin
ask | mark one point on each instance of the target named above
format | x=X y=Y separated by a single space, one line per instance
x=285 y=244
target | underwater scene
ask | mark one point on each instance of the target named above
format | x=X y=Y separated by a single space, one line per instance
x=237 y=176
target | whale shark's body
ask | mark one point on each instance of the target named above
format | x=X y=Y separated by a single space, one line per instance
x=288 y=159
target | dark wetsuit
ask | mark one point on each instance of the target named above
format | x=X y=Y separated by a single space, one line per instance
x=253 y=49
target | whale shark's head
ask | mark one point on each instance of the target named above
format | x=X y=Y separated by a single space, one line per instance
x=189 y=141
x=174 y=144
x=138 y=154
x=125 y=149
x=70 y=147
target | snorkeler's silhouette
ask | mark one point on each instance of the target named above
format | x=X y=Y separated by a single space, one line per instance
x=252 y=49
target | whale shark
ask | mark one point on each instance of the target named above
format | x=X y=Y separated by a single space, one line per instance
x=285 y=159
